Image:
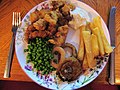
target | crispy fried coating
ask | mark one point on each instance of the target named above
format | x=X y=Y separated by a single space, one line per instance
x=49 y=19
x=60 y=36
x=34 y=16
x=40 y=24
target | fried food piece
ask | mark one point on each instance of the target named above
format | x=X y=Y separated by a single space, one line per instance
x=61 y=51
x=70 y=69
x=81 y=50
x=72 y=47
x=51 y=30
x=29 y=29
x=63 y=30
x=65 y=9
x=34 y=16
x=97 y=23
x=60 y=36
x=54 y=15
x=64 y=20
x=95 y=47
x=57 y=4
x=71 y=6
x=35 y=34
x=40 y=24
x=76 y=22
x=88 y=49
x=42 y=34
x=96 y=32
x=49 y=19
x=43 y=12
x=57 y=41
x=85 y=63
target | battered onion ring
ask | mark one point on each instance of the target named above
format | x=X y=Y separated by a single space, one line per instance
x=74 y=51
x=62 y=56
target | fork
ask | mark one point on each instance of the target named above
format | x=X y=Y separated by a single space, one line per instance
x=16 y=20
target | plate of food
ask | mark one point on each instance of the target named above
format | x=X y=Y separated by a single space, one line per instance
x=62 y=44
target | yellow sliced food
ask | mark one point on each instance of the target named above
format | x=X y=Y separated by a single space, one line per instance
x=97 y=23
x=88 y=49
x=96 y=31
x=95 y=47
x=85 y=63
x=81 y=45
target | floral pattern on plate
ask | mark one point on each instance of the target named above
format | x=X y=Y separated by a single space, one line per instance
x=52 y=81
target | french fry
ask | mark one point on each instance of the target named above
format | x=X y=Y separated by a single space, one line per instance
x=97 y=23
x=88 y=26
x=91 y=25
x=81 y=45
x=96 y=31
x=88 y=49
x=85 y=63
x=95 y=47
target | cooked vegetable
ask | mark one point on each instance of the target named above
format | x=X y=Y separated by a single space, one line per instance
x=88 y=49
x=39 y=53
x=85 y=63
x=74 y=51
x=61 y=51
x=81 y=48
x=103 y=43
x=97 y=23
x=100 y=42
x=95 y=47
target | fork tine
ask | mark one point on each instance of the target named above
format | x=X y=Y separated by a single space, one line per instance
x=13 y=21
x=19 y=18
x=16 y=19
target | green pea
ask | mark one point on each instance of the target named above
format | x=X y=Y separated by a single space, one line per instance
x=45 y=54
x=36 y=59
x=47 y=63
x=40 y=54
x=44 y=49
x=29 y=46
x=37 y=39
x=41 y=58
x=28 y=61
x=45 y=60
x=46 y=72
x=43 y=72
x=33 y=57
x=47 y=57
x=51 y=68
x=41 y=68
x=39 y=61
x=28 y=56
x=25 y=50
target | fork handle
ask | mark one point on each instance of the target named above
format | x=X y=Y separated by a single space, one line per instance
x=9 y=59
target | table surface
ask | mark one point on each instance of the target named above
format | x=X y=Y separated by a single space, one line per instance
x=23 y=6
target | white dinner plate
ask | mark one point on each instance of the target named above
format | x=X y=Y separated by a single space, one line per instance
x=52 y=81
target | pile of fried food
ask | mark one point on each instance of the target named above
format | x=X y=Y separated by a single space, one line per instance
x=54 y=23
x=51 y=22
